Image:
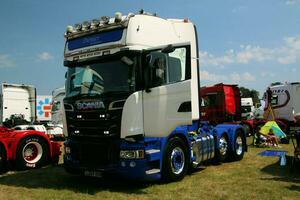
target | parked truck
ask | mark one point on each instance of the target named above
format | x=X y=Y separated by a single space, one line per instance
x=29 y=148
x=132 y=104
x=221 y=103
x=22 y=109
x=247 y=108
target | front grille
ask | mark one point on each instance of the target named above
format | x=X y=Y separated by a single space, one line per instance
x=93 y=155
x=94 y=124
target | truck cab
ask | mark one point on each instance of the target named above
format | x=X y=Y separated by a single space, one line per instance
x=132 y=99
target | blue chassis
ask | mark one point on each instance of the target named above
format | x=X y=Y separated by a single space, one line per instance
x=136 y=168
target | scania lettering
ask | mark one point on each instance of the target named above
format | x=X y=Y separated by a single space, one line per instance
x=144 y=69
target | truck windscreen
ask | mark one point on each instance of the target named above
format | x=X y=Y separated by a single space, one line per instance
x=110 y=76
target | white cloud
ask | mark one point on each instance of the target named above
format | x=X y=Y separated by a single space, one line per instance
x=45 y=56
x=5 y=61
x=233 y=77
x=264 y=74
x=207 y=76
x=292 y=2
x=248 y=77
x=289 y=53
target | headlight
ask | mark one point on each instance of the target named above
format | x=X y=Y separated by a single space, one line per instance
x=132 y=154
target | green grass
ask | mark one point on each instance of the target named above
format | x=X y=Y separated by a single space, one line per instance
x=254 y=177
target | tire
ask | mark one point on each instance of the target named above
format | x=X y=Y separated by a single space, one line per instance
x=223 y=151
x=239 y=147
x=3 y=161
x=32 y=152
x=175 y=160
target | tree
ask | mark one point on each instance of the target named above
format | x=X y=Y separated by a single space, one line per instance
x=276 y=83
x=247 y=93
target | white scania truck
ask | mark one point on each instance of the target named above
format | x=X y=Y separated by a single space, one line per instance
x=132 y=100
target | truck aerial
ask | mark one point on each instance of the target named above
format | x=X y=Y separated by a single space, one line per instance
x=132 y=100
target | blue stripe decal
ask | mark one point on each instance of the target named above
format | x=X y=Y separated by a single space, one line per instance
x=98 y=38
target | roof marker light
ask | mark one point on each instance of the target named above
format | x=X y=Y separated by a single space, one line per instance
x=70 y=29
x=130 y=15
x=105 y=19
x=118 y=17
x=86 y=25
x=95 y=23
x=77 y=27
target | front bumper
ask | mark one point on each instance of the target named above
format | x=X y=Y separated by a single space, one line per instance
x=147 y=169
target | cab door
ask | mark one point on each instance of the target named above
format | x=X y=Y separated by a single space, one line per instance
x=167 y=96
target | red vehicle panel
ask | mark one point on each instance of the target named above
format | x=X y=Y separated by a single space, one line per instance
x=26 y=149
x=220 y=103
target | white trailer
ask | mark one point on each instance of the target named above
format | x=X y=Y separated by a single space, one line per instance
x=17 y=100
x=285 y=103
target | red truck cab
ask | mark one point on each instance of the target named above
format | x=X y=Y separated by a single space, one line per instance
x=220 y=103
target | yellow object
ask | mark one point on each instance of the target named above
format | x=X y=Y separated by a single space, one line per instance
x=275 y=128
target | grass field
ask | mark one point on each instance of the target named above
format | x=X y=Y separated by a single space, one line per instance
x=254 y=177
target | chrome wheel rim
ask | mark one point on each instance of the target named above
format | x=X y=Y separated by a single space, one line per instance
x=239 y=145
x=177 y=160
x=223 y=146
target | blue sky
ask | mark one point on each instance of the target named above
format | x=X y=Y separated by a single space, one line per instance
x=251 y=43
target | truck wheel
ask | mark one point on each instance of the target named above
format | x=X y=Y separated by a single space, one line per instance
x=32 y=152
x=175 y=160
x=222 y=151
x=239 y=146
x=2 y=159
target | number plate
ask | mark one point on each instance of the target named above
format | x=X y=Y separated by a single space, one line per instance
x=93 y=173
